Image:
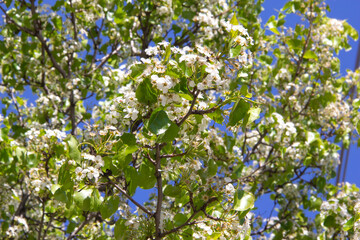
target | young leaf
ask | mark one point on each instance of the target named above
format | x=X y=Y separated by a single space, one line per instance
x=310 y=55
x=234 y=52
x=254 y=113
x=233 y=21
x=349 y=224
x=167 y=53
x=74 y=152
x=243 y=200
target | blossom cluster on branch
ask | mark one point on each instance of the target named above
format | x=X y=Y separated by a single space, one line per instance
x=196 y=106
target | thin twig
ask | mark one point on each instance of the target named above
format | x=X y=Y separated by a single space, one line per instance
x=173 y=155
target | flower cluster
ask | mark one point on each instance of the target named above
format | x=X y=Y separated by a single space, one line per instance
x=90 y=169
x=340 y=210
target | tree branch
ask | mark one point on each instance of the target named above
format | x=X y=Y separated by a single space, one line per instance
x=255 y=147
x=37 y=33
x=188 y=221
x=42 y=219
x=158 y=218
x=196 y=94
x=82 y=225
x=104 y=59
x=130 y=198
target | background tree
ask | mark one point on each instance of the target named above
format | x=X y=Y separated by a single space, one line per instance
x=190 y=99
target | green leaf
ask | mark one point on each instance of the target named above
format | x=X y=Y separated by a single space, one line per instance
x=266 y=59
x=272 y=24
x=122 y=156
x=58 y=5
x=145 y=93
x=172 y=191
x=8 y=3
x=128 y=139
x=146 y=177
x=137 y=70
x=320 y=183
x=180 y=219
x=186 y=96
x=289 y=7
x=109 y=207
x=120 y=230
x=315 y=203
x=71 y=227
x=64 y=177
x=167 y=53
x=57 y=22
x=188 y=15
x=243 y=200
x=74 y=152
x=88 y=199
x=216 y=116
x=234 y=21
x=159 y=122
x=295 y=44
x=54 y=188
x=176 y=28
x=310 y=55
x=349 y=224
x=170 y=134
x=83 y=199
x=60 y=195
x=234 y=52
x=356 y=103
x=245 y=91
x=351 y=31
x=238 y=112
x=330 y=221
x=21 y=155
x=254 y=113
x=212 y=168
x=132 y=177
